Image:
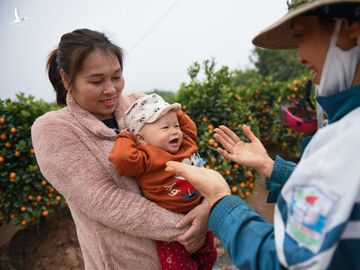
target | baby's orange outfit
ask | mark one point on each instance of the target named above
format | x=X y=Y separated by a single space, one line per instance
x=147 y=163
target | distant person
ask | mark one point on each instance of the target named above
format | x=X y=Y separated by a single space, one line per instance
x=317 y=215
x=116 y=226
x=159 y=132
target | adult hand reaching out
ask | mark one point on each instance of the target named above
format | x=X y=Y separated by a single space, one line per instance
x=252 y=154
x=208 y=182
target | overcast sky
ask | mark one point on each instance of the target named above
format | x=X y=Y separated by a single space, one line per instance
x=161 y=38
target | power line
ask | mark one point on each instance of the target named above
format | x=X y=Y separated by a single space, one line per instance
x=153 y=26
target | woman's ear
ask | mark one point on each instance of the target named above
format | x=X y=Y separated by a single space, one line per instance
x=65 y=79
x=354 y=30
x=350 y=31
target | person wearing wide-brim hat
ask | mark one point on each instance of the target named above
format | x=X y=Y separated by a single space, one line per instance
x=317 y=214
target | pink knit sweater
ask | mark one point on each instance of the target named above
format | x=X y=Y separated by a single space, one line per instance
x=116 y=226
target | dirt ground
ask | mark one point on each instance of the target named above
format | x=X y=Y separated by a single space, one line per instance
x=53 y=245
x=50 y=245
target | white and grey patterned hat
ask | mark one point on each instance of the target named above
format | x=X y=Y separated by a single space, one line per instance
x=147 y=109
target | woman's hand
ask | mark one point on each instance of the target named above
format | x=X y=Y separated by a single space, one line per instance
x=193 y=239
x=208 y=182
x=252 y=154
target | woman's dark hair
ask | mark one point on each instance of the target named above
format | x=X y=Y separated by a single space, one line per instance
x=73 y=49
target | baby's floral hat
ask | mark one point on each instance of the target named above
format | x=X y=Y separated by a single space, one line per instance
x=147 y=109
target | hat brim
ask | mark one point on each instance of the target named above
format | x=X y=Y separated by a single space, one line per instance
x=158 y=114
x=279 y=35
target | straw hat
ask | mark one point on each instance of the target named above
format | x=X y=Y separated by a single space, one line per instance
x=279 y=34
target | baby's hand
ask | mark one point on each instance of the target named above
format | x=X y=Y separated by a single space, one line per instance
x=125 y=133
x=125 y=130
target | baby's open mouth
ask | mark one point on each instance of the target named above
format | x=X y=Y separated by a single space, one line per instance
x=174 y=141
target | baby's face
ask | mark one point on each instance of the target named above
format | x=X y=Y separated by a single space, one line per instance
x=165 y=133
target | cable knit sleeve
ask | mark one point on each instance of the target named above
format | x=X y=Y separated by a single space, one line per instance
x=78 y=174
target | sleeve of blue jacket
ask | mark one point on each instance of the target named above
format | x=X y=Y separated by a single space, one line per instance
x=280 y=174
x=246 y=236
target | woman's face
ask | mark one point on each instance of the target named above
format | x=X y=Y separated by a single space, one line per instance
x=98 y=85
x=313 y=37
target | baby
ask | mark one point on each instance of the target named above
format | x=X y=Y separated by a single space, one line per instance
x=159 y=132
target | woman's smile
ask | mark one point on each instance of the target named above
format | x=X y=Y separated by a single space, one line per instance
x=110 y=103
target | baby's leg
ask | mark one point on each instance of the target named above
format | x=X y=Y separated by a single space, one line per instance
x=173 y=256
x=206 y=256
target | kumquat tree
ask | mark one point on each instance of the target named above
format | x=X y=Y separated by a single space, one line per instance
x=264 y=97
x=25 y=195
